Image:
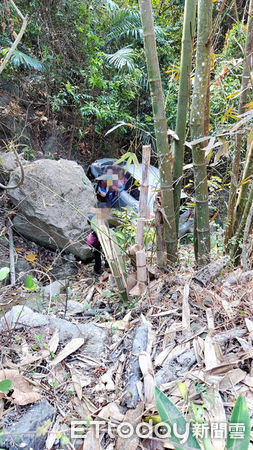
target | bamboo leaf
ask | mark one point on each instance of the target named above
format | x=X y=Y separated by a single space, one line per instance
x=171 y=415
x=183 y=390
x=240 y=416
x=117 y=126
x=4 y=272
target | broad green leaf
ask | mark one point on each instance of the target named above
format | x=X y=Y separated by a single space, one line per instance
x=5 y=386
x=4 y=272
x=240 y=418
x=30 y=284
x=171 y=415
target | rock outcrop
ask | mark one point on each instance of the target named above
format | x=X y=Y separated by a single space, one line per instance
x=53 y=205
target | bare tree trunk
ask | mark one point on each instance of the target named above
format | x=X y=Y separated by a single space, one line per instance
x=239 y=138
x=160 y=125
x=183 y=100
x=202 y=231
x=146 y=152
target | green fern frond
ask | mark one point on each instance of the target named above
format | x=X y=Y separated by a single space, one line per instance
x=123 y=58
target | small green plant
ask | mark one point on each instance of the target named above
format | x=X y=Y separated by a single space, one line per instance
x=126 y=230
x=5 y=386
x=177 y=424
x=31 y=284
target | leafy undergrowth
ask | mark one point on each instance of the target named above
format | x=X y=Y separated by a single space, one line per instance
x=199 y=334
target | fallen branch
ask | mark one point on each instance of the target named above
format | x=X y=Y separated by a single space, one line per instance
x=21 y=181
x=11 y=252
x=133 y=371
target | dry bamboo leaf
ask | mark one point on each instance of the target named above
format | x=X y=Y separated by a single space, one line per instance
x=231 y=378
x=186 y=322
x=210 y=319
x=88 y=405
x=23 y=393
x=119 y=324
x=54 y=341
x=216 y=413
x=71 y=347
x=91 y=440
x=163 y=355
x=148 y=377
x=227 y=307
x=198 y=346
x=174 y=328
x=248 y=380
x=133 y=417
x=211 y=359
x=76 y=382
x=245 y=345
x=52 y=435
x=1 y=407
x=230 y=361
x=29 y=359
x=111 y=412
x=108 y=381
x=249 y=325
x=154 y=444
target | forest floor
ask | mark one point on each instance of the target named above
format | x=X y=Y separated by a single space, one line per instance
x=198 y=331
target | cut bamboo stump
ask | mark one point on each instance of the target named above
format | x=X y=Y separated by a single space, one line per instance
x=141 y=266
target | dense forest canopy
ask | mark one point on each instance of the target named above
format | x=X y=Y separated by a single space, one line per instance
x=85 y=67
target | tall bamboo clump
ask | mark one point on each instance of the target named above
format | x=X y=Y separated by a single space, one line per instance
x=160 y=125
x=202 y=231
x=232 y=221
x=183 y=100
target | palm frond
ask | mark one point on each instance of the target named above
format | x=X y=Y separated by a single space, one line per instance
x=21 y=59
x=111 y=6
x=123 y=58
x=126 y=24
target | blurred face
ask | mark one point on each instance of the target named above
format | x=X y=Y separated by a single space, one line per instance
x=109 y=171
x=121 y=174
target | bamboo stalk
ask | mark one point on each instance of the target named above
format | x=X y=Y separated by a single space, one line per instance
x=160 y=125
x=202 y=231
x=142 y=215
x=236 y=250
x=235 y=172
x=183 y=100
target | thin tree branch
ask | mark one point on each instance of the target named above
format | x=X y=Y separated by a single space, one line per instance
x=17 y=40
x=21 y=181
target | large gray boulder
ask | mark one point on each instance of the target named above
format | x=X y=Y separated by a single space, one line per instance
x=53 y=205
